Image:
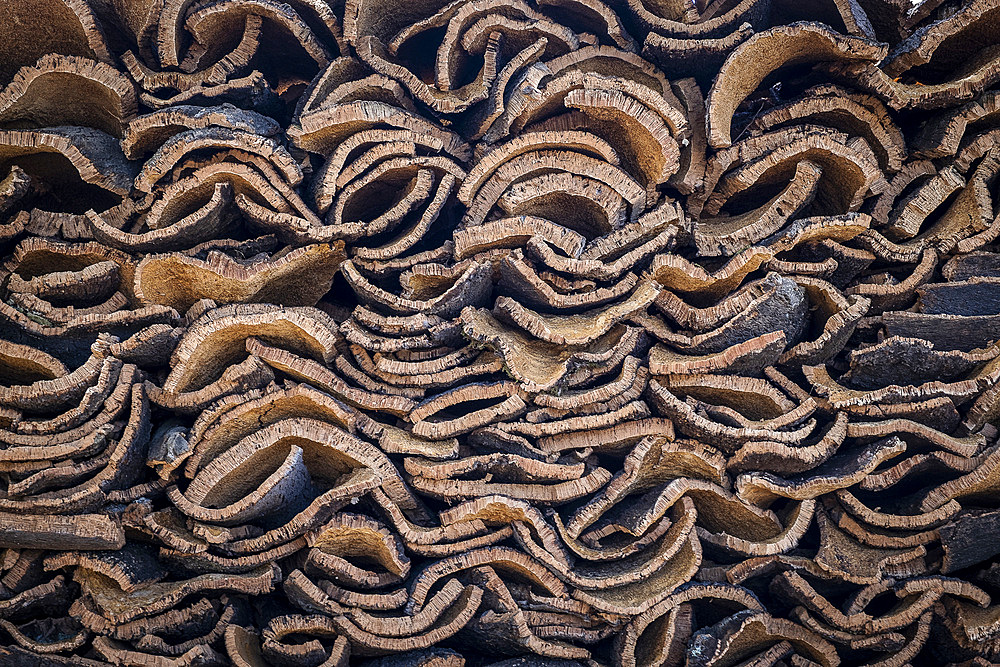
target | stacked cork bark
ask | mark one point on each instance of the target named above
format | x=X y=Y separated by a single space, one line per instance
x=473 y=332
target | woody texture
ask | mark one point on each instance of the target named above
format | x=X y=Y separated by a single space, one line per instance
x=513 y=333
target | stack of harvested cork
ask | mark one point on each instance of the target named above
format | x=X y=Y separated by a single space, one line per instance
x=499 y=332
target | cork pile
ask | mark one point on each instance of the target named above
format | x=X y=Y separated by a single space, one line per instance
x=499 y=332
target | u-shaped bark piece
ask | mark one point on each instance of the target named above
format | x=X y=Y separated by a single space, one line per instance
x=765 y=52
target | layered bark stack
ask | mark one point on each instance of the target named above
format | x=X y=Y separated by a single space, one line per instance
x=579 y=332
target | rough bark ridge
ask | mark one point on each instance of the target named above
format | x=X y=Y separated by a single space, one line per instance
x=499 y=332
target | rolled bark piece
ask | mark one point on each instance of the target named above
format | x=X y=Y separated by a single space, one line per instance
x=81 y=531
x=76 y=32
x=751 y=632
x=41 y=94
x=944 y=85
x=225 y=330
x=92 y=154
x=787 y=45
